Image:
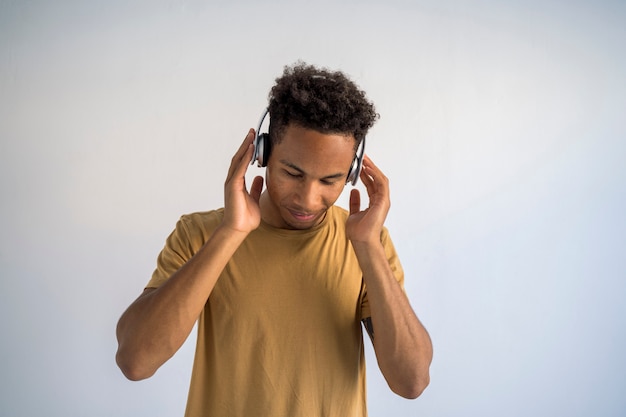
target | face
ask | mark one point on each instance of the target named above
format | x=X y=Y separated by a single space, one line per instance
x=305 y=175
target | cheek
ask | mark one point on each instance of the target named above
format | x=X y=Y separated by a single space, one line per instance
x=332 y=194
x=277 y=186
x=271 y=180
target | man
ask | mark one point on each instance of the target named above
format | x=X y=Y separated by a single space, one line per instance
x=280 y=280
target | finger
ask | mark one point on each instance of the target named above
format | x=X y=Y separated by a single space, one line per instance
x=243 y=148
x=372 y=168
x=240 y=170
x=256 y=188
x=367 y=179
x=244 y=154
x=247 y=141
x=376 y=184
x=355 y=201
x=373 y=174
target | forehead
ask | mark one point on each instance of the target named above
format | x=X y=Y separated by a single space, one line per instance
x=313 y=150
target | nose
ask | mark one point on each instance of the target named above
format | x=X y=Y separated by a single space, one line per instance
x=308 y=195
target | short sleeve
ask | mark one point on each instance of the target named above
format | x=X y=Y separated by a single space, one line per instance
x=190 y=234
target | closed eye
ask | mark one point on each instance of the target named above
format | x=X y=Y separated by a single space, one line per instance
x=292 y=174
x=293 y=171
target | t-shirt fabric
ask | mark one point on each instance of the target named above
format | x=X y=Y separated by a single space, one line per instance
x=280 y=334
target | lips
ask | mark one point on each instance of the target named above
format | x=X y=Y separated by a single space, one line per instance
x=301 y=216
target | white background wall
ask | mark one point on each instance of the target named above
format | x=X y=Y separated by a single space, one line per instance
x=502 y=131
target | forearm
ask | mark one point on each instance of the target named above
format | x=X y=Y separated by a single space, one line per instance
x=402 y=345
x=156 y=325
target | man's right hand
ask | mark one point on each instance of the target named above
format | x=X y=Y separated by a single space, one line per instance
x=241 y=208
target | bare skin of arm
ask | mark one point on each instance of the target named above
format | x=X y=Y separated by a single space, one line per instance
x=159 y=321
x=402 y=345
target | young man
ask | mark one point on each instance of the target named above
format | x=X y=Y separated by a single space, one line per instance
x=279 y=281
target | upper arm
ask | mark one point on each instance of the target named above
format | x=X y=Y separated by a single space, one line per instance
x=145 y=293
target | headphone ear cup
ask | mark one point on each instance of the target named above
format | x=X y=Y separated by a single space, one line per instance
x=355 y=171
x=350 y=177
x=265 y=146
x=357 y=163
x=262 y=144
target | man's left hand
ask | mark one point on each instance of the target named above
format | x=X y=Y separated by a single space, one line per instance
x=366 y=225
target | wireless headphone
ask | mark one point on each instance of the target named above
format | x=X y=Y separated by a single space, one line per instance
x=263 y=145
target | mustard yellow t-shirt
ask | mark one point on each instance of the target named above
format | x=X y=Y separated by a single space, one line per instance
x=280 y=334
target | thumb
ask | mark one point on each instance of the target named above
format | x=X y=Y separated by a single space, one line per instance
x=256 y=188
x=355 y=201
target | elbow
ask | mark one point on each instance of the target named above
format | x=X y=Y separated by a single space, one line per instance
x=418 y=388
x=411 y=389
x=416 y=378
x=130 y=359
x=130 y=368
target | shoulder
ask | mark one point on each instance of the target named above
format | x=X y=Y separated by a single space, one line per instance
x=197 y=227
x=203 y=219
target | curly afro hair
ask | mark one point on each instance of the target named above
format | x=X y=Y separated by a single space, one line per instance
x=319 y=99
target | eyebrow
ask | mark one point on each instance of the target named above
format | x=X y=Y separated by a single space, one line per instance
x=301 y=171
